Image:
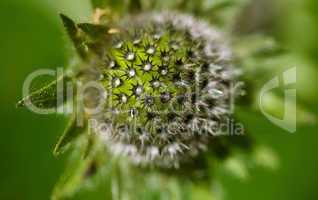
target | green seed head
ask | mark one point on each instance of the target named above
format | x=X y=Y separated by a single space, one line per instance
x=167 y=79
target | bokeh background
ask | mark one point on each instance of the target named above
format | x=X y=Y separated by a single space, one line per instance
x=32 y=37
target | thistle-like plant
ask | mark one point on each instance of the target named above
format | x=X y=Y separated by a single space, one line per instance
x=153 y=91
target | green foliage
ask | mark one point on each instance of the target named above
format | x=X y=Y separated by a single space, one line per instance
x=47 y=97
x=94 y=31
x=75 y=35
x=70 y=134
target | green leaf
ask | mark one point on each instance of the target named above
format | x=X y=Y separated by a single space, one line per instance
x=71 y=132
x=87 y=167
x=46 y=97
x=72 y=178
x=94 y=31
x=74 y=33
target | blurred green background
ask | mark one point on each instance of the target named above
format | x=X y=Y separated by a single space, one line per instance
x=32 y=37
